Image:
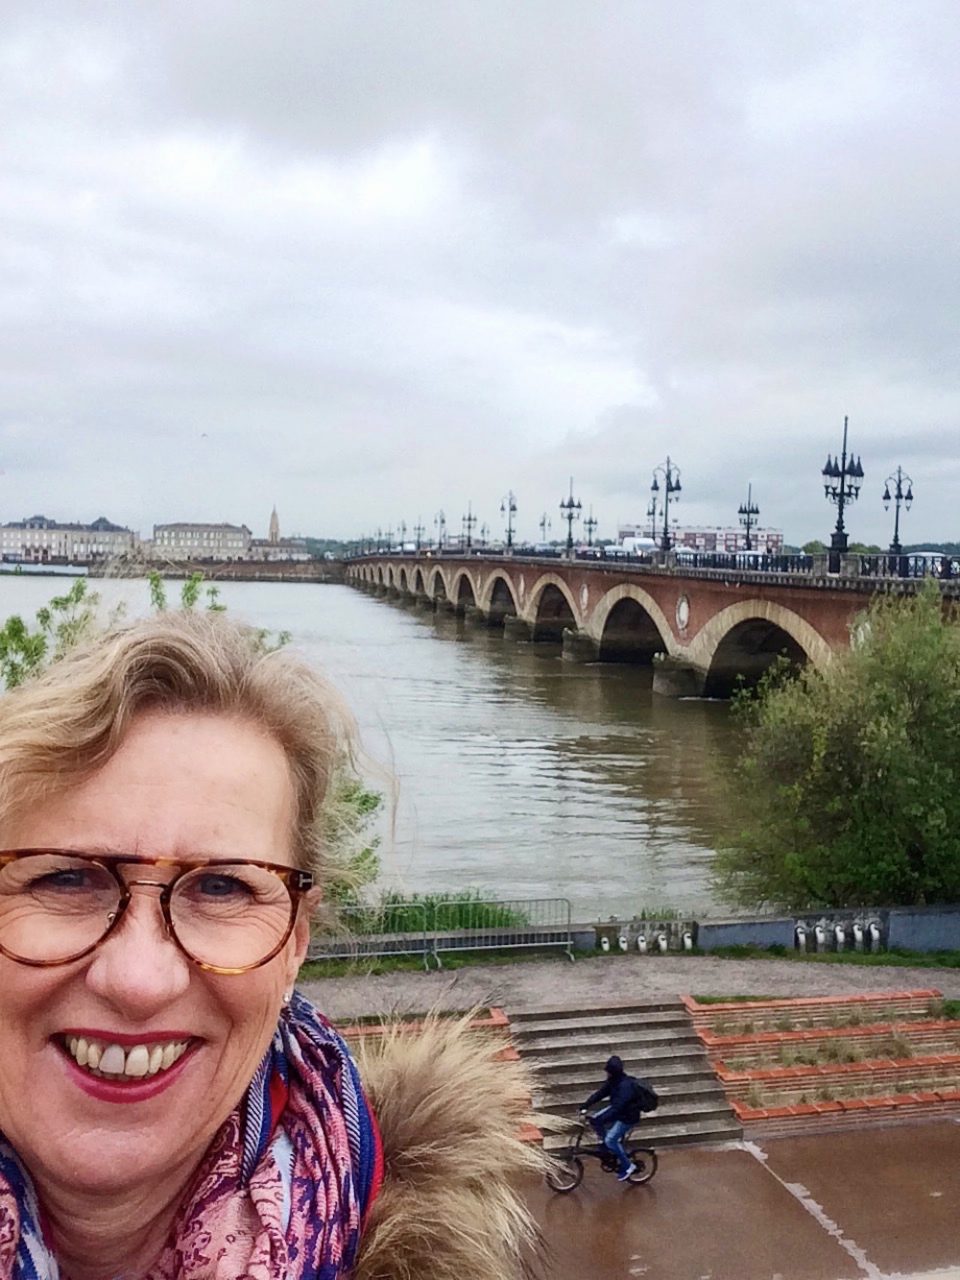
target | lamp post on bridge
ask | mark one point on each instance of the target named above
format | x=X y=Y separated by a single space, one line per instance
x=652 y=515
x=484 y=534
x=440 y=524
x=389 y=537
x=671 y=488
x=570 y=510
x=418 y=533
x=403 y=533
x=544 y=526
x=508 y=507
x=590 y=524
x=748 y=512
x=898 y=480
x=379 y=540
x=842 y=478
x=468 y=523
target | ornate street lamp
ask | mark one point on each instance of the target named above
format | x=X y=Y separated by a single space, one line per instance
x=652 y=515
x=440 y=524
x=389 y=539
x=570 y=510
x=842 y=478
x=748 y=512
x=418 y=533
x=403 y=533
x=484 y=534
x=467 y=524
x=379 y=540
x=898 y=480
x=508 y=508
x=544 y=526
x=671 y=488
x=590 y=524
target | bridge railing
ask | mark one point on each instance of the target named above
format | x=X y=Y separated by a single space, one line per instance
x=744 y=561
x=916 y=565
x=430 y=927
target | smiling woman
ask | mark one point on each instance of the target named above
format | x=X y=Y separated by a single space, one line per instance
x=162 y=800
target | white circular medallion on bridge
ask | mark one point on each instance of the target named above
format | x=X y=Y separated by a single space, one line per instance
x=584 y=596
x=683 y=613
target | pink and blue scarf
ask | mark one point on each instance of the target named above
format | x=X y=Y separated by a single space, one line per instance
x=283 y=1191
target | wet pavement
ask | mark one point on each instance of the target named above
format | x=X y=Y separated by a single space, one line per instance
x=874 y=1204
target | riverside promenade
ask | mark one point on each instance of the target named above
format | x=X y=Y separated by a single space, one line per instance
x=875 y=1203
x=612 y=978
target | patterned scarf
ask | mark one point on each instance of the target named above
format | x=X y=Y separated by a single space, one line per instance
x=282 y=1192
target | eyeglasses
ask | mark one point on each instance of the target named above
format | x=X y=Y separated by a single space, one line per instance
x=225 y=915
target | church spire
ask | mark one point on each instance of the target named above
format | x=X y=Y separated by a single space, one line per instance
x=274 y=535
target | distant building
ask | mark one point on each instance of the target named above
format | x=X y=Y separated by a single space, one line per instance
x=711 y=539
x=273 y=547
x=201 y=542
x=39 y=540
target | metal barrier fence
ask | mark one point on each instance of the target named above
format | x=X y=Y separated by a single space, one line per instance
x=430 y=928
x=915 y=565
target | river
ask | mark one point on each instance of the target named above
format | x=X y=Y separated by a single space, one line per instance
x=507 y=768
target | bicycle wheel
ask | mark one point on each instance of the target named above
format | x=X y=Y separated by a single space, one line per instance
x=646 y=1161
x=564 y=1173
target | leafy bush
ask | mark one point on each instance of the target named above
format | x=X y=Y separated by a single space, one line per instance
x=846 y=786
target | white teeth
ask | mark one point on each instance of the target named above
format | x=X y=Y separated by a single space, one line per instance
x=113 y=1060
x=138 y=1061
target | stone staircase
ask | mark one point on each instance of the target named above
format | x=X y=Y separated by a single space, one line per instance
x=655 y=1039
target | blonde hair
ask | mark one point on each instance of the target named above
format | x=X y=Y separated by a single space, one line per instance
x=60 y=727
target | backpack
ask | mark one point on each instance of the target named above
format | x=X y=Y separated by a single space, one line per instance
x=645 y=1095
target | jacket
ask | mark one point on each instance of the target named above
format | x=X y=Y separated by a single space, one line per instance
x=449 y=1113
x=624 y=1099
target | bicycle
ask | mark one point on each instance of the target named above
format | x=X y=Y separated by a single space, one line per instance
x=566 y=1171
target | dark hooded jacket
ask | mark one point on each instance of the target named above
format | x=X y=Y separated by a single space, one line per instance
x=622 y=1091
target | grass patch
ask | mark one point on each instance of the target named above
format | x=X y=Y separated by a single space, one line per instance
x=361 y=966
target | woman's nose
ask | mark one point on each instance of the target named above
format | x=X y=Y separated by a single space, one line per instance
x=139 y=968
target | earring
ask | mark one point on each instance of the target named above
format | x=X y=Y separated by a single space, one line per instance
x=286 y=997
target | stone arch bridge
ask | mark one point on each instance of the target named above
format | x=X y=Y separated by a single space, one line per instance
x=701 y=629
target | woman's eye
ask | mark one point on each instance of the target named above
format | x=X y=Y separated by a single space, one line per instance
x=213 y=886
x=62 y=881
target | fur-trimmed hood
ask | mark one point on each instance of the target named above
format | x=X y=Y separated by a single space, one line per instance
x=449 y=1112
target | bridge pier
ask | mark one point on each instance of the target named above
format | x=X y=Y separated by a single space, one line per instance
x=515 y=628
x=677 y=678
x=579 y=647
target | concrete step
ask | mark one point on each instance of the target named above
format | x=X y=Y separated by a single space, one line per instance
x=666 y=1118
x=635 y=1063
x=570 y=1013
x=672 y=1097
x=672 y=1136
x=673 y=1072
x=668 y=1019
x=627 y=1042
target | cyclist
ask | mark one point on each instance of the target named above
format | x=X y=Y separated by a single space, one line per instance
x=619 y=1116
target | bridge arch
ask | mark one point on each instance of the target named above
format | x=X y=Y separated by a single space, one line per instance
x=438 y=588
x=629 y=626
x=380 y=575
x=498 y=600
x=463 y=593
x=551 y=608
x=744 y=639
x=403 y=579
x=418 y=582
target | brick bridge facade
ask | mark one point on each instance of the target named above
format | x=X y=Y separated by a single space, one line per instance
x=701 y=629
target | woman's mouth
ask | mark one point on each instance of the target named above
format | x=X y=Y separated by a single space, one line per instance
x=110 y=1061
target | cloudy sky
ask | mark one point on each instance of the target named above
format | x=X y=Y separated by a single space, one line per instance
x=371 y=260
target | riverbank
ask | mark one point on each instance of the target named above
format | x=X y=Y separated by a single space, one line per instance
x=610 y=979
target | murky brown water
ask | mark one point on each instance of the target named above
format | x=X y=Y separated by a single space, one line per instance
x=516 y=772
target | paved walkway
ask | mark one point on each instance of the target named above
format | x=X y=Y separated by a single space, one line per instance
x=611 y=979
x=872 y=1205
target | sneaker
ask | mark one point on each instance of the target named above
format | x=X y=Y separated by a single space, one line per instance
x=630 y=1169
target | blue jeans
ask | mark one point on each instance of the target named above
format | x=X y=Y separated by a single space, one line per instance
x=612 y=1136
